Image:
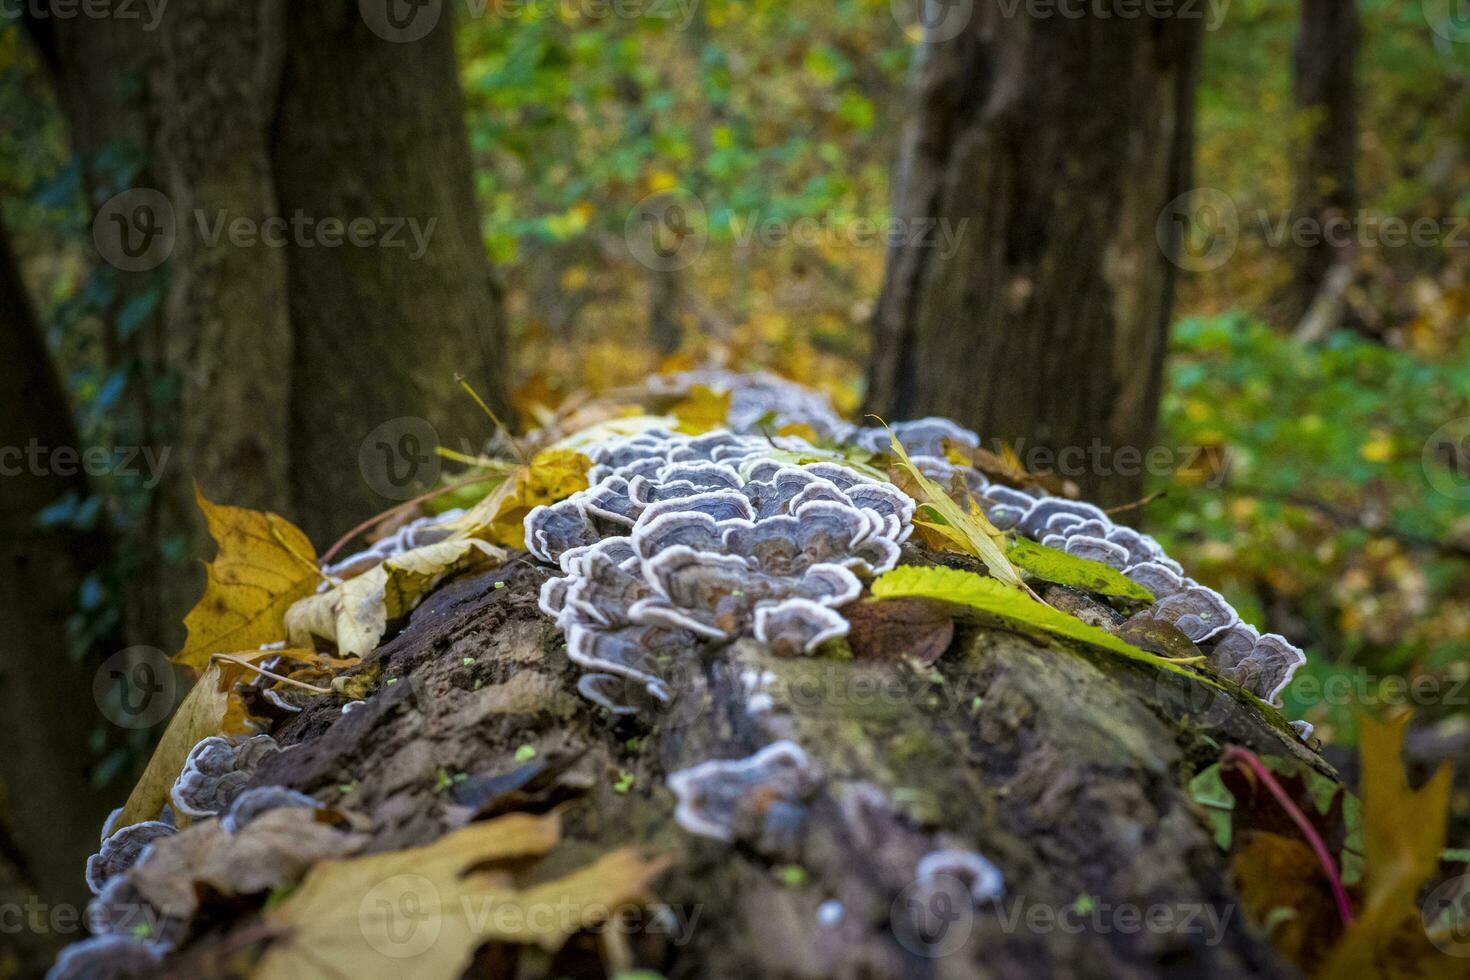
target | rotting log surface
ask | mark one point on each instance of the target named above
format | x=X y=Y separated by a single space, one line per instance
x=1066 y=770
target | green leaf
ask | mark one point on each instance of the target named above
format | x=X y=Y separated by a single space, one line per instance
x=1013 y=607
x=1052 y=565
x=1209 y=791
x=973 y=531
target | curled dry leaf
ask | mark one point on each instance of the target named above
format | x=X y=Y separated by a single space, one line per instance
x=355 y=614
x=439 y=902
x=264 y=564
x=272 y=851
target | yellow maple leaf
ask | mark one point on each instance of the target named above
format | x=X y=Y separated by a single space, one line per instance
x=264 y=564
x=432 y=906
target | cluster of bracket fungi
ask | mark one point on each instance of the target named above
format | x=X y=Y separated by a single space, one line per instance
x=681 y=540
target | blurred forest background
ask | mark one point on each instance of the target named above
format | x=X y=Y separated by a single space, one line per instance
x=1304 y=395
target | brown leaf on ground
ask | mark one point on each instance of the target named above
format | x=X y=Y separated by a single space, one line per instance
x=1286 y=895
x=891 y=629
x=436 y=904
x=272 y=851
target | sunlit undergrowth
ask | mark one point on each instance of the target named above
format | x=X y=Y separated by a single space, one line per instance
x=1326 y=525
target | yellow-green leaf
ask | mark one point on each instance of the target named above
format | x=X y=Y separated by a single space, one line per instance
x=1051 y=565
x=265 y=563
x=1011 y=606
x=701 y=410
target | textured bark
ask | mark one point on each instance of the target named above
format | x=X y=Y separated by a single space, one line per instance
x=49 y=811
x=373 y=129
x=228 y=337
x=1050 y=146
x=1065 y=769
x=1326 y=94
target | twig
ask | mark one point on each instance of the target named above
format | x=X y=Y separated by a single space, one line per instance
x=1137 y=503
x=1236 y=753
x=271 y=674
x=378 y=518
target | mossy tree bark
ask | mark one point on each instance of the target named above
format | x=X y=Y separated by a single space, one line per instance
x=1065 y=769
x=1048 y=147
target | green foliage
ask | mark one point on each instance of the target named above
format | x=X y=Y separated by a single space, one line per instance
x=1325 y=518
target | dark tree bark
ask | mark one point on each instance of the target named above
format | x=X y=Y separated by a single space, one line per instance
x=1326 y=95
x=372 y=129
x=49 y=811
x=270 y=128
x=1048 y=147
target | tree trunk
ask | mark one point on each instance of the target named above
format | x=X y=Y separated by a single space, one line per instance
x=49 y=811
x=1066 y=770
x=1326 y=94
x=370 y=129
x=1029 y=294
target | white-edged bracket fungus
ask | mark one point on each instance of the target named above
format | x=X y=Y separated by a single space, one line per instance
x=756 y=799
x=215 y=771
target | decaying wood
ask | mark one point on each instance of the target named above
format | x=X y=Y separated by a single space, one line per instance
x=1065 y=769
